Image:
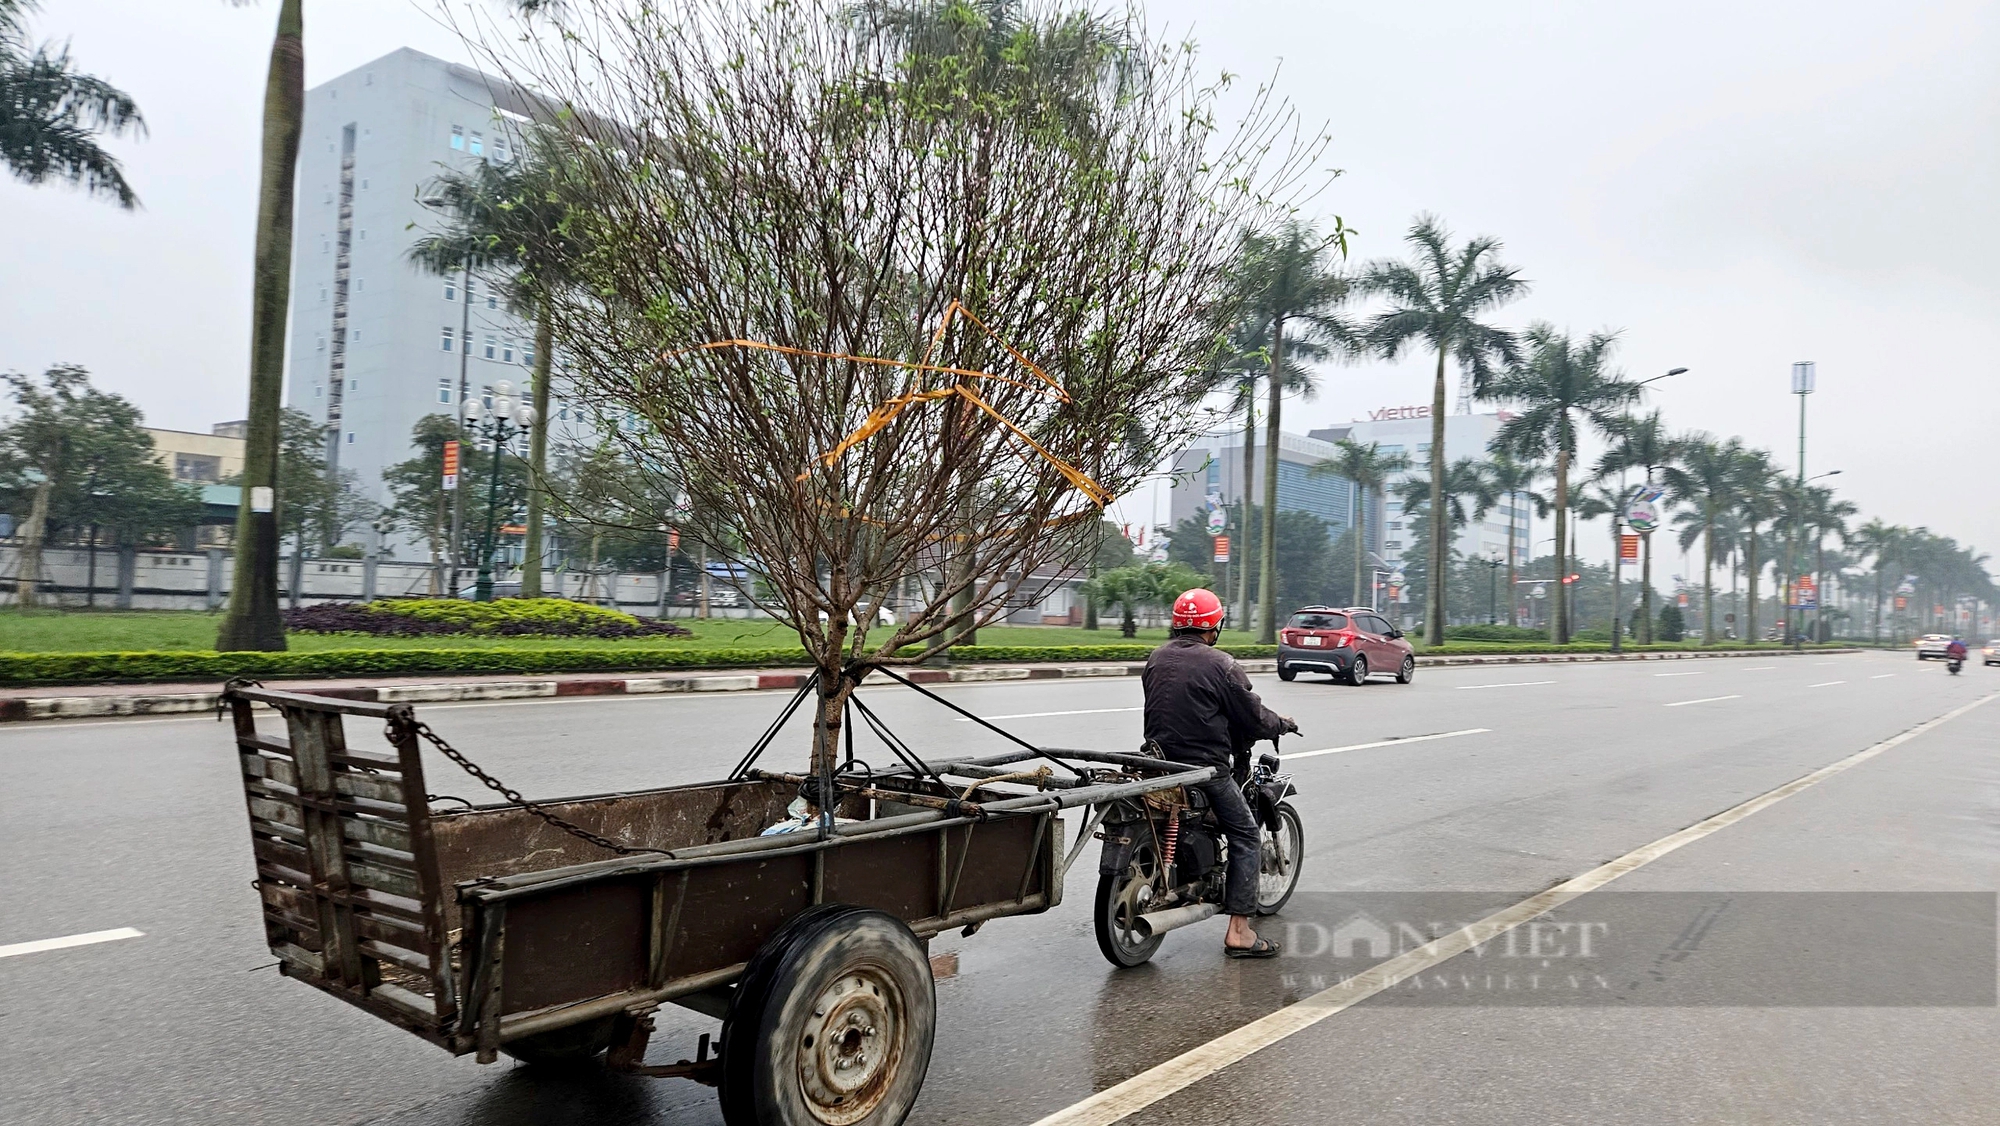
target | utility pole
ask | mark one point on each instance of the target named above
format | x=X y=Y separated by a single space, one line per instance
x=1804 y=376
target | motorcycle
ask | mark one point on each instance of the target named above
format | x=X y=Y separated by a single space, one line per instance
x=1954 y=664
x=1165 y=862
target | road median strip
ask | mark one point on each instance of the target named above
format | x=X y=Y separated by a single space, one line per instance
x=17 y=708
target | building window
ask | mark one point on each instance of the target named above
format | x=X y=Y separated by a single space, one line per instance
x=360 y=284
x=444 y=338
x=489 y=346
x=451 y=291
x=478 y=147
x=492 y=298
x=444 y=391
x=457 y=137
x=329 y=197
x=1395 y=526
x=316 y=390
x=319 y=343
x=507 y=349
x=354 y=385
x=325 y=244
x=364 y=183
x=527 y=353
x=350 y=437
x=364 y=234
x=562 y=411
x=486 y=397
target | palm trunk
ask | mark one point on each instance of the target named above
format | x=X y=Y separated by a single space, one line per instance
x=28 y=574
x=1708 y=575
x=1513 y=507
x=1876 y=633
x=538 y=458
x=1560 y=633
x=251 y=620
x=1267 y=571
x=1243 y=531
x=1750 y=567
x=1440 y=519
x=1360 y=538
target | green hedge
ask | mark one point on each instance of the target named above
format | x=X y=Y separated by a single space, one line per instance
x=194 y=665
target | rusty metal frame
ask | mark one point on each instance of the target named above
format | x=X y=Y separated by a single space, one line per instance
x=333 y=789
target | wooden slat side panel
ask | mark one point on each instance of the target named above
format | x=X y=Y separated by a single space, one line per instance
x=372 y=786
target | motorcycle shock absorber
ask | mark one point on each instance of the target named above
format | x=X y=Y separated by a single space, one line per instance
x=1173 y=842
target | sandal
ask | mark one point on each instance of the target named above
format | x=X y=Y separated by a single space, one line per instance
x=1262 y=948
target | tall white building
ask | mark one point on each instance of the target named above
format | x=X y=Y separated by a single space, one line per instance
x=377 y=343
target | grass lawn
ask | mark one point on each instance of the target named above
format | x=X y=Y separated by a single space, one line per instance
x=139 y=631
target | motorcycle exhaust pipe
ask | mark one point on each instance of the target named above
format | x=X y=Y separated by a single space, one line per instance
x=1174 y=918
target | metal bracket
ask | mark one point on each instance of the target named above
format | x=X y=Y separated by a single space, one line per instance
x=1083 y=838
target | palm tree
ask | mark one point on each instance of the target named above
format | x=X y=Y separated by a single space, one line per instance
x=1827 y=516
x=1367 y=468
x=1641 y=442
x=1245 y=360
x=251 y=620
x=51 y=116
x=1705 y=478
x=1515 y=480
x=1561 y=386
x=1287 y=277
x=1755 y=498
x=1598 y=498
x=1438 y=299
x=1723 y=531
x=1464 y=480
x=510 y=224
x=1878 y=541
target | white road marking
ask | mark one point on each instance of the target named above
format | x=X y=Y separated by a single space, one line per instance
x=1190 y=1067
x=1826 y=684
x=1386 y=743
x=1692 y=672
x=1504 y=684
x=41 y=944
x=1758 y=668
x=1882 y=676
x=1039 y=715
x=1703 y=700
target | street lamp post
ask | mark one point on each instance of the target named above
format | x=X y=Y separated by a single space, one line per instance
x=507 y=420
x=1805 y=376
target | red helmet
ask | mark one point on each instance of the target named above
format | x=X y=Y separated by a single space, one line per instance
x=1198 y=609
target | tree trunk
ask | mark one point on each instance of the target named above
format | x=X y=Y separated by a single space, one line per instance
x=1441 y=520
x=1267 y=571
x=1513 y=517
x=1243 y=505
x=1360 y=540
x=1750 y=567
x=1708 y=575
x=1560 y=633
x=251 y=621
x=1876 y=633
x=538 y=457
x=28 y=575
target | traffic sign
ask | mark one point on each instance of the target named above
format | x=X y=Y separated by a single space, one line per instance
x=1642 y=511
x=1397 y=578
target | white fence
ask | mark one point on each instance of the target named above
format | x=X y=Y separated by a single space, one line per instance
x=132 y=579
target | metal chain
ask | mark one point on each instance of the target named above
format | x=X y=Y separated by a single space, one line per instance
x=419 y=727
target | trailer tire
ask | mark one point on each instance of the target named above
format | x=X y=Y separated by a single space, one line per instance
x=577 y=1045
x=831 y=1024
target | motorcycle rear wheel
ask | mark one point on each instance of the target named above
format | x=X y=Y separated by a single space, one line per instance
x=1121 y=898
x=1281 y=858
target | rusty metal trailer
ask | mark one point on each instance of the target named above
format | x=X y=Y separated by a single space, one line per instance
x=552 y=931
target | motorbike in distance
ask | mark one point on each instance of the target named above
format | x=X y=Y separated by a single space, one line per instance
x=1165 y=861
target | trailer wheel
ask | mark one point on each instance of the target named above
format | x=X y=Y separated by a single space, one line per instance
x=1121 y=898
x=574 y=1046
x=831 y=1024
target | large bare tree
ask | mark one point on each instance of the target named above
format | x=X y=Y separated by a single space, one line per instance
x=897 y=318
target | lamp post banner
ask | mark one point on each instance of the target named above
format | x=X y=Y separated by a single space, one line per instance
x=1642 y=511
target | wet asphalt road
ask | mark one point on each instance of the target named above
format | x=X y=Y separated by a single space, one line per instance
x=139 y=824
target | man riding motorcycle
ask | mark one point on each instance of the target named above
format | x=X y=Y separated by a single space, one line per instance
x=1200 y=711
x=1955 y=653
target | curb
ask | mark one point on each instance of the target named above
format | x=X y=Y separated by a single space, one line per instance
x=21 y=709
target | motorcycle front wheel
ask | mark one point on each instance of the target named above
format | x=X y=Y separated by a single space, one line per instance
x=1121 y=898
x=1281 y=858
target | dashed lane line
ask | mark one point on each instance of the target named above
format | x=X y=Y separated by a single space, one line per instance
x=1040 y=715
x=1190 y=1067
x=1386 y=743
x=1503 y=684
x=41 y=944
x=1691 y=672
x=1703 y=700
x=1826 y=684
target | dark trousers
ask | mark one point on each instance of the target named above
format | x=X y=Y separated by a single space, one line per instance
x=1225 y=797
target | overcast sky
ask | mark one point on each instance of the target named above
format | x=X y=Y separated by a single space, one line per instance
x=1734 y=186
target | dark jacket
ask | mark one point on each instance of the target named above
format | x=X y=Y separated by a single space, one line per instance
x=1199 y=706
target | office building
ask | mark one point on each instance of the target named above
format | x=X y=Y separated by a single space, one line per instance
x=1407 y=430
x=1212 y=470
x=377 y=343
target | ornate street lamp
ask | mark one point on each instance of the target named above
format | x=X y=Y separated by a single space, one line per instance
x=503 y=422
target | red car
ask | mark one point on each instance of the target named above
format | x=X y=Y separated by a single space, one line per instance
x=1349 y=645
